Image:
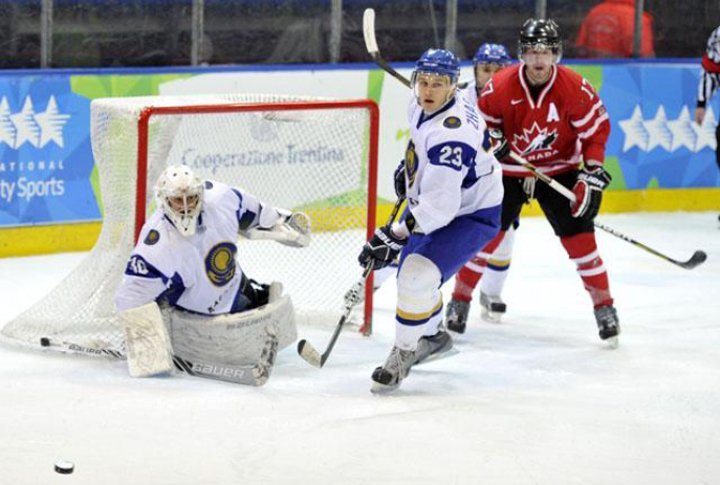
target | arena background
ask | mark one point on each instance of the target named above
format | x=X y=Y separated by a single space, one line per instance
x=49 y=192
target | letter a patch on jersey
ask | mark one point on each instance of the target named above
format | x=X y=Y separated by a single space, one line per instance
x=552 y=113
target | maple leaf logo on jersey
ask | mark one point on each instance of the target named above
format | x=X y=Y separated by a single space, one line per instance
x=535 y=139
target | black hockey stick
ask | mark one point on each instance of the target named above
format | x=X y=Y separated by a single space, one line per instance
x=696 y=259
x=305 y=348
x=372 y=47
x=374 y=51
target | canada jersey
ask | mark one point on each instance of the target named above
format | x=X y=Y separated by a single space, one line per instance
x=449 y=166
x=199 y=272
x=567 y=121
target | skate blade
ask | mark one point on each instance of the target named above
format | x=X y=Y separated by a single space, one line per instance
x=380 y=389
x=491 y=317
x=612 y=342
x=440 y=355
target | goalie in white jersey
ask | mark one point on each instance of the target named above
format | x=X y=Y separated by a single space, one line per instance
x=224 y=324
x=454 y=192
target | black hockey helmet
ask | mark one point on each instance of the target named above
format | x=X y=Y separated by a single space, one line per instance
x=539 y=34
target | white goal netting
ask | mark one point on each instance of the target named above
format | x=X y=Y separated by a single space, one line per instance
x=317 y=156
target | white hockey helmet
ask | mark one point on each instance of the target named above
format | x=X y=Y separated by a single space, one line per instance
x=179 y=193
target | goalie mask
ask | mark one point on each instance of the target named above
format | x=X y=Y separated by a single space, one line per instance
x=540 y=35
x=179 y=193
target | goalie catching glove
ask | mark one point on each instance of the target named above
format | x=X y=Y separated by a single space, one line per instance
x=381 y=249
x=291 y=229
x=588 y=189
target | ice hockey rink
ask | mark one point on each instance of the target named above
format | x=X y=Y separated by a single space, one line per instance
x=534 y=400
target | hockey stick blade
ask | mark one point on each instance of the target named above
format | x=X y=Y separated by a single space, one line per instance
x=369 y=32
x=308 y=352
x=698 y=258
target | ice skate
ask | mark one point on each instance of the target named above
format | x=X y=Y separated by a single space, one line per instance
x=456 y=315
x=608 y=324
x=396 y=368
x=433 y=347
x=492 y=307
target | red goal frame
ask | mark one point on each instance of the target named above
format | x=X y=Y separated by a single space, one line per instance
x=373 y=145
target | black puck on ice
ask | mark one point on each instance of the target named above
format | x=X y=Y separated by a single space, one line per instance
x=44 y=342
x=64 y=467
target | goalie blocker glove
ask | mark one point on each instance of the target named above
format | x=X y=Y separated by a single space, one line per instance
x=588 y=190
x=381 y=249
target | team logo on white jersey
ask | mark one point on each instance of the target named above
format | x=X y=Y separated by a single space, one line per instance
x=220 y=263
x=535 y=139
x=28 y=126
x=668 y=134
x=410 y=163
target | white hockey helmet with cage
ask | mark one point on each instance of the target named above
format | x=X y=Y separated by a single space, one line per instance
x=179 y=193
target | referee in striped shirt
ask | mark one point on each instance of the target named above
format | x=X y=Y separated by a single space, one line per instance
x=709 y=83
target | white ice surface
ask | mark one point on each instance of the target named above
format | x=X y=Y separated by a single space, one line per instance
x=535 y=400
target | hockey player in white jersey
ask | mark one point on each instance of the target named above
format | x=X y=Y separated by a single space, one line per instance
x=454 y=191
x=488 y=60
x=185 y=260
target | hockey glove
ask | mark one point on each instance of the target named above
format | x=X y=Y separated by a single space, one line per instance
x=501 y=148
x=381 y=249
x=400 y=188
x=591 y=182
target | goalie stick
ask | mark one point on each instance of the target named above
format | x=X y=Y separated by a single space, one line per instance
x=697 y=258
x=251 y=375
x=305 y=348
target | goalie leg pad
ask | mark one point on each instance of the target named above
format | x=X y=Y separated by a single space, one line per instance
x=149 y=351
x=235 y=339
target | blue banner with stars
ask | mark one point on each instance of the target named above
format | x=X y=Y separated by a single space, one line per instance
x=655 y=139
x=45 y=154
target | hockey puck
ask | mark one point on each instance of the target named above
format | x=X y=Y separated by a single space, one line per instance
x=44 y=342
x=64 y=467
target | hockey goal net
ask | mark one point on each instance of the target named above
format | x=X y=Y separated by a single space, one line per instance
x=313 y=155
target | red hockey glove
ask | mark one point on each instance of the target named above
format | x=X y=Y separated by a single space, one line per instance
x=591 y=182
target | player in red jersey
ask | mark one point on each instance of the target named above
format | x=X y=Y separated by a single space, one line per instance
x=553 y=117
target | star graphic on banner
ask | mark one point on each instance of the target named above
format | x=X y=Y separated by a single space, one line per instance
x=684 y=131
x=27 y=129
x=51 y=123
x=660 y=134
x=706 y=133
x=635 y=132
x=7 y=128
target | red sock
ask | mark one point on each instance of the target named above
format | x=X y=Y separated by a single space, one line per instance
x=467 y=278
x=582 y=250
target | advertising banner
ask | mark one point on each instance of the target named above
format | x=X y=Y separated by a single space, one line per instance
x=654 y=138
x=45 y=161
x=47 y=175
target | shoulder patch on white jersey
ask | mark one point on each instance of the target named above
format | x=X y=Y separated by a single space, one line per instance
x=452 y=122
x=152 y=237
